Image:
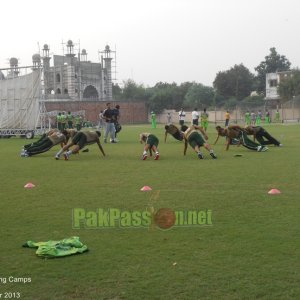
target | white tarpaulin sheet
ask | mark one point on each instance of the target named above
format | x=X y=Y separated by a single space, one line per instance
x=19 y=101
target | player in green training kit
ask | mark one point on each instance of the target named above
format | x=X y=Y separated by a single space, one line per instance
x=262 y=136
x=79 y=141
x=70 y=120
x=236 y=135
x=204 y=119
x=41 y=139
x=174 y=131
x=151 y=143
x=247 y=118
x=47 y=143
x=196 y=137
x=153 y=119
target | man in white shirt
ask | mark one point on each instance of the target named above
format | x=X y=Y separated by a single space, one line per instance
x=195 y=117
x=181 y=117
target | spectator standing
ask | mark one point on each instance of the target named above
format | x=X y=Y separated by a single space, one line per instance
x=204 y=119
x=116 y=118
x=70 y=120
x=101 y=124
x=247 y=118
x=108 y=116
x=227 y=118
x=258 y=118
x=58 y=121
x=78 y=122
x=153 y=119
x=181 y=115
x=169 y=118
x=277 y=116
x=63 y=121
x=195 y=117
x=267 y=117
x=253 y=118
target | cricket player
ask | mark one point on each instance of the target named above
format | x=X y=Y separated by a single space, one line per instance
x=196 y=137
x=262 y=136
x=47 y=143
x=79 y=141
x=204 y=119
x=236 y=133
x=151 y=143
x=41 y=139
x=174 y=131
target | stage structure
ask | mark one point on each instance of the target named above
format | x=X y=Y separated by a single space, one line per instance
x=25 y=90
x=22 y=110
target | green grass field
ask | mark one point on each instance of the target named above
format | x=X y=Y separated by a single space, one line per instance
x=251 y=250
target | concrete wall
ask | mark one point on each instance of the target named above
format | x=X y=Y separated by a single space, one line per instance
x=212 y=116
x=286 y=114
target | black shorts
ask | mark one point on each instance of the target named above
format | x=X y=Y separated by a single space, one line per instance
x=79 y=139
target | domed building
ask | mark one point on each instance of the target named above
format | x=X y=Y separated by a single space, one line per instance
x=73 y=77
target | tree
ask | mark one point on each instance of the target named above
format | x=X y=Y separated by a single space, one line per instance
x=164 y=96
x=182 y=91
x=199 y=96
x=234 y=83
x=289 y=87
x=252 y=102
x=116 y=91
x=160 y=99
x=272 y=63
x=133 y=91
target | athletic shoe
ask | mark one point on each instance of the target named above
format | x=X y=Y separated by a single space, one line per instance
x=57 y=157
x=213 y=155
x=259 y=148
x=264 y=149
x=144 y=157
x=113 y=141
x=280 y=145
x=200 y=155
x=66 y=156
x=156 y=156
x=24 y=153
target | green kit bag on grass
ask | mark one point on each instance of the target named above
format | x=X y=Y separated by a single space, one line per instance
x=60 y=248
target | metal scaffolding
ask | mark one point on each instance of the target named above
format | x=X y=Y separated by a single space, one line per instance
x=22 y=109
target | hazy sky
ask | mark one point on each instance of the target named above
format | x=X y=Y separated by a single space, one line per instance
x=156 y=40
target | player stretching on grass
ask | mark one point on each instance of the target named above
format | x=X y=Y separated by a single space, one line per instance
x=151 y=143
x=80 y=140
x=174 y=131
x=236 y=135
x=47 y=143
x=262 y=136
x=41 y=139
x=196 y=137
